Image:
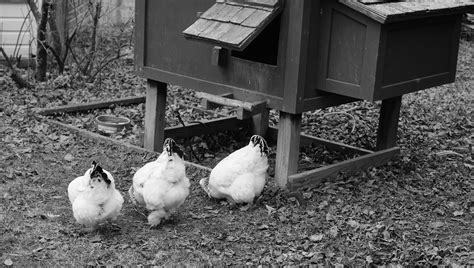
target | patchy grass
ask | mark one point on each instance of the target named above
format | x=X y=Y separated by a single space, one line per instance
x=417 y=210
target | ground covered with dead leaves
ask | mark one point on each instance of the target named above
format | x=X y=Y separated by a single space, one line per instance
x=417 y=210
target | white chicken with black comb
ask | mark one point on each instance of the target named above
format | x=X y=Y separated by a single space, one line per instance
x=94 y=198
x=161 y=186
x=241 y=176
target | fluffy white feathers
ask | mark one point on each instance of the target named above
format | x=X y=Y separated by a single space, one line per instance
x=161 y=186
x=94 y=198
x=241 y=176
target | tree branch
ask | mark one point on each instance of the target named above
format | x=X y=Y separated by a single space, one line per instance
x=15 y=75
x=34 y=10
x=42 y=54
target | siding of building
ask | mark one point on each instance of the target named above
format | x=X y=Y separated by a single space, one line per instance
x=17 y=28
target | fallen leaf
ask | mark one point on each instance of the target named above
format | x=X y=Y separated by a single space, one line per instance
x=244 y=208
x=333 y=231
x=458 y=213
x=436 y=224
x=323 y=204
x=439 y=211
x=316 y=237
x=68 y=157
x=369 y=259
x=96 y=239
x=353 y=223
x=386 y=235
x=8 y=262
x=270 y=210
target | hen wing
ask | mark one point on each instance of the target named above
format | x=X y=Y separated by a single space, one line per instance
x=76 y=187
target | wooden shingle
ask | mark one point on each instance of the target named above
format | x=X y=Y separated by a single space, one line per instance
x=242 y=15
x=233 y=23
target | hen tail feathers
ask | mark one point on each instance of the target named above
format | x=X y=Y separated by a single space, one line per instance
x=205 y=186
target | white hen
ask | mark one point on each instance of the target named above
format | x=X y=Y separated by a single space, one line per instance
x=161 y=186
x=241 y=176
x=94 y=197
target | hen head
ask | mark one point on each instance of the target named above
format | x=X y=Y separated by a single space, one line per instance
x=170 y=147
x=98 y=176
x=259 y=141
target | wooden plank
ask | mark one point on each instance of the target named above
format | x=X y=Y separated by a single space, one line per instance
x=296 y=58
x=256 y=19
x=262 y=3
x=242 y=15
x=215 y=33
x=155 y=115
x=227 y=13
x=197 y=27
x=267 y=3
x=260 y=123
x=91 y=135
x=140 y=24
x=288 y=149
x=364 y=9
x=412 y=6
x=258 y=107
x=212 y=12
x=401 y=8
x=230 y=102
x=386 y=10
x=372 y=1
x=91 y=105
x=307 y=140
x=210 y=29
x=206 y=127
x=320 y=175
x=208 y=105
x=237 y=36
x=388 y=123
x=185 y=81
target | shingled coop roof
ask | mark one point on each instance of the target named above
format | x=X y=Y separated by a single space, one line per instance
x=234 y=23
x=386 y=11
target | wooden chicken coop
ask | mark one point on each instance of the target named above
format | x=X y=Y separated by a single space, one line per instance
x=295 y=56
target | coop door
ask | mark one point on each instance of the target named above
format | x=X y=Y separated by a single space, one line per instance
x=236 y=25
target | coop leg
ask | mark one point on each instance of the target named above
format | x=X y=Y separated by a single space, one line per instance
x=260 y=123
x=155 y=115
x=388 y=123
x=288 y=147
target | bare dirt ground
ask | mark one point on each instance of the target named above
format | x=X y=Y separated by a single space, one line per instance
x=417 y=210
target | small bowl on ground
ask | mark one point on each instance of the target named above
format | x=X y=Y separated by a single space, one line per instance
x=111 y=124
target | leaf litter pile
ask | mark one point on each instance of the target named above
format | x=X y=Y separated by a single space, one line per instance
x=416 y=210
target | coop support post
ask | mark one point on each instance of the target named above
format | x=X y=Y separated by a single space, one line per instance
x=260 y=122
x=155 y=115
x=288 y=147
x=388 y=123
